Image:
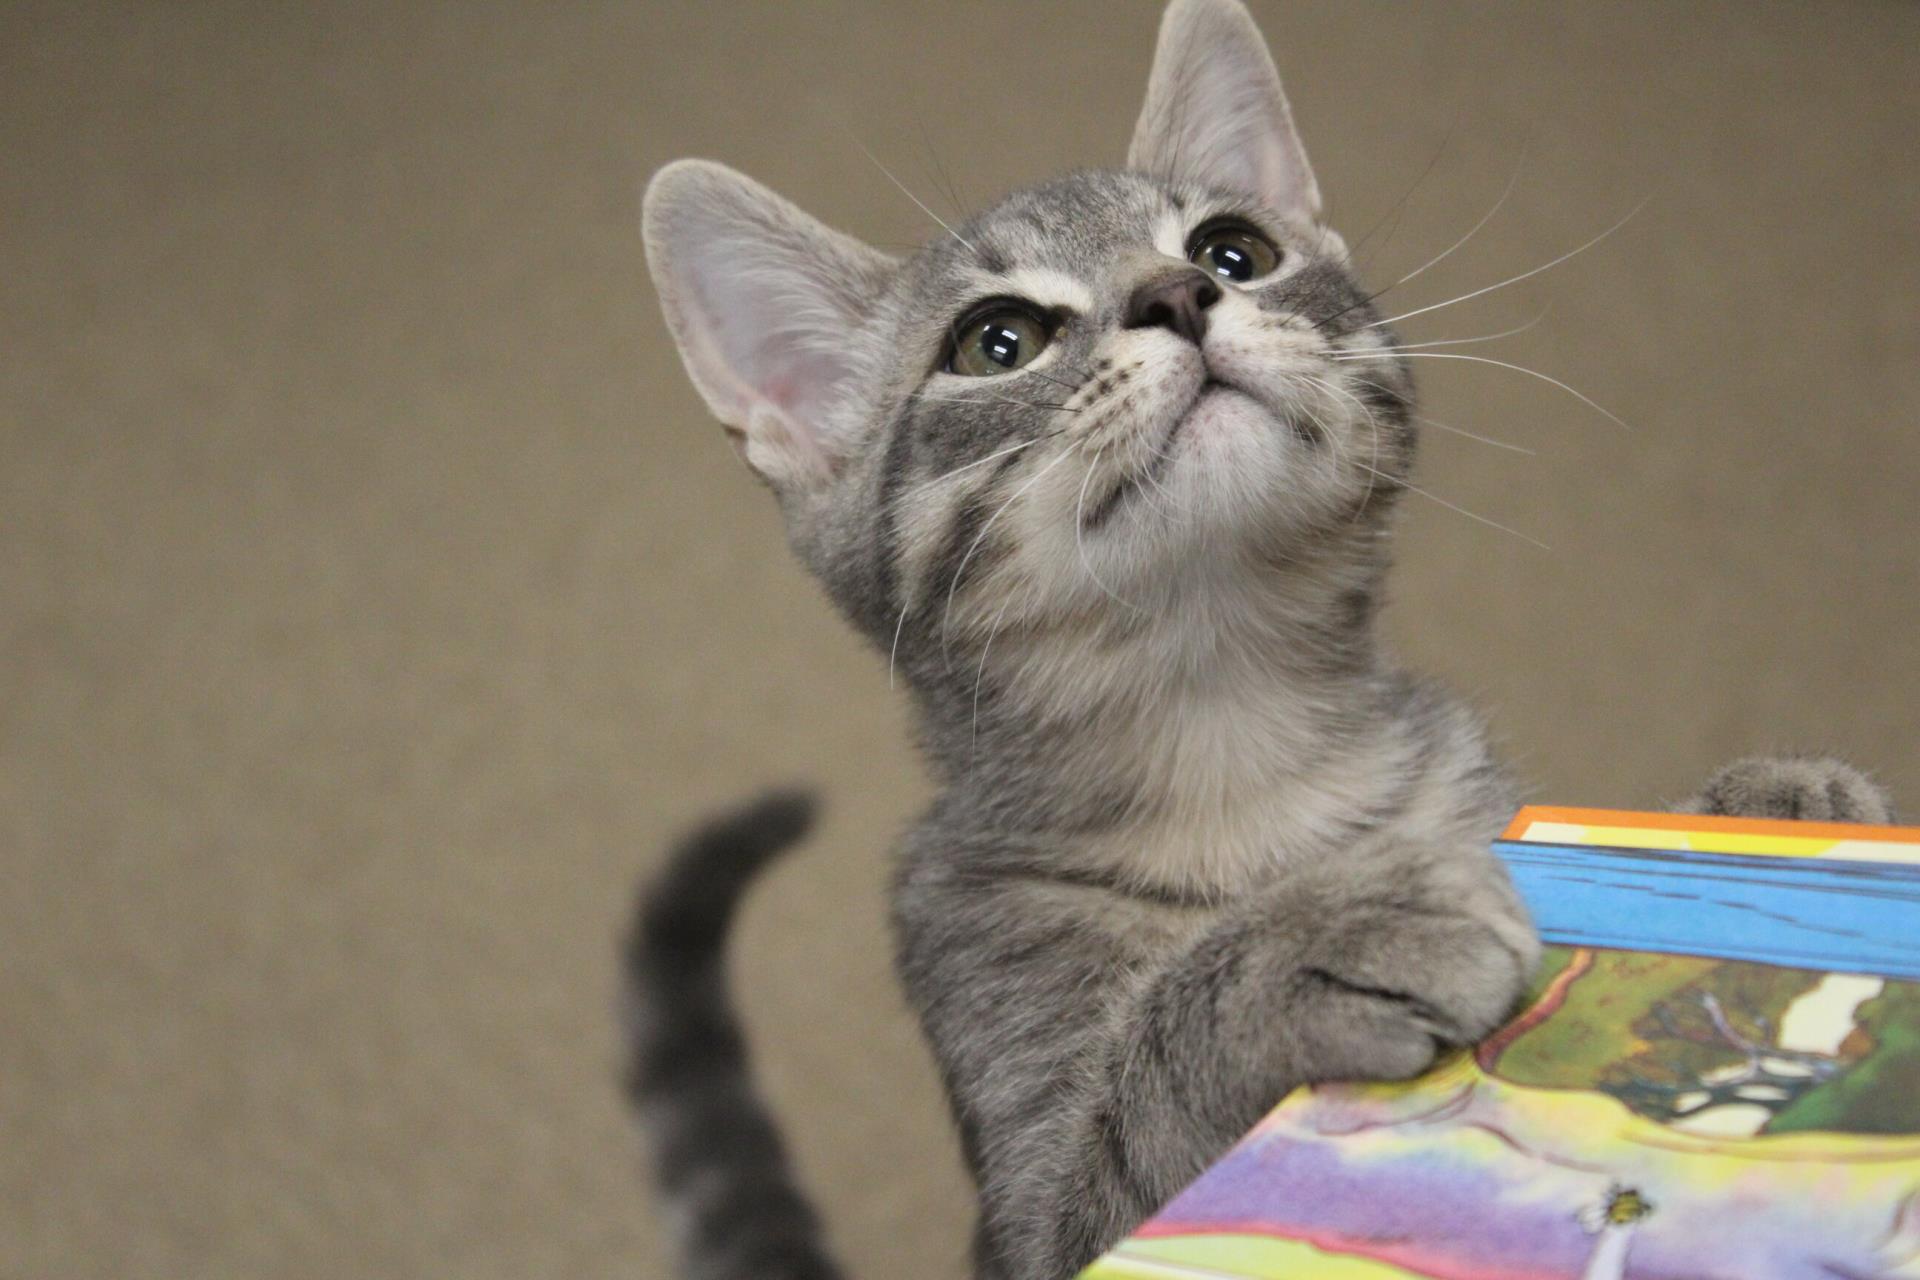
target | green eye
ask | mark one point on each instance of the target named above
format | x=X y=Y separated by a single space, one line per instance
x=1233 y=250
x=998 y=340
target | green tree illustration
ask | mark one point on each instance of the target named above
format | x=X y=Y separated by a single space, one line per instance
x=1878 y=1093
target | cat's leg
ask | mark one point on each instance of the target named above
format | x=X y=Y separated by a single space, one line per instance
x=1811 y=788
x=1366 y=971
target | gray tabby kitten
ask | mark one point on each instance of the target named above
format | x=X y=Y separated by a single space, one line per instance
x=1109 y=474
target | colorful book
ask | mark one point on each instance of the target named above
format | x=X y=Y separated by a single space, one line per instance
x=1717 y=1075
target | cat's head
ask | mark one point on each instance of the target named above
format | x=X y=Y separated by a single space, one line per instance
x=1114 y=396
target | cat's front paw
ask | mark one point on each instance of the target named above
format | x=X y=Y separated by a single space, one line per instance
x=1809 y=788
x=1392 y=988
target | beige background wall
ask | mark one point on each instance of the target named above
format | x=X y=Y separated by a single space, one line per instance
x=374 y=597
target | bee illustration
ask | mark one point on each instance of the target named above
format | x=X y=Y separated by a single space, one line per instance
x=1623 y=1207
x=1613 y=1223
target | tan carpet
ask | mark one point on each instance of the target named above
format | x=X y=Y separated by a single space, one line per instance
x=375 y=597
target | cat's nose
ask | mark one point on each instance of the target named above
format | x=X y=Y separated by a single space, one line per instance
x=1177 y=299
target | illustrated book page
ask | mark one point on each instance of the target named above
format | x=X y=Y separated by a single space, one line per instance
x=1717 y=1074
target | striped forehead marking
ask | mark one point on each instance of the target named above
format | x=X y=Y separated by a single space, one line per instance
x=1044 y=286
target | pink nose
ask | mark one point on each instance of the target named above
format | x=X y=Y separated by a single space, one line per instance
x=1175 y=299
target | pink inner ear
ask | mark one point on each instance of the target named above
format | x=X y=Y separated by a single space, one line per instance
x=764 y=302
x=800 y=384
x=767 y=354
x=787 y=388
x=796 y=383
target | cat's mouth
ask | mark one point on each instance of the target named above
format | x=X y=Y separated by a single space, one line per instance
x=1211 y=387
x=1213 y=384
x=1127 y=485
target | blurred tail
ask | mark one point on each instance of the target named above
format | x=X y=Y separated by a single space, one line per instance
x=721 y=1167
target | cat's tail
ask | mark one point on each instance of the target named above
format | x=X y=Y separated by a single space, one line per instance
x=717 y=1156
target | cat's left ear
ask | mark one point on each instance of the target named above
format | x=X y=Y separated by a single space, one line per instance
x=1215 y=113
x=767 y=306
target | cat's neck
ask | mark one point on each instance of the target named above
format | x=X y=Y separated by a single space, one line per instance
x=1240 y=717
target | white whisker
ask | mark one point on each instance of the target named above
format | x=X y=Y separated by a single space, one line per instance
x=946 y=618
x=980 y=672
x=1503 y=364
x=1079 y=529
x=1373 y=436
x=924 y=207
x=1154 y=482
x=1420 y=311
x=1045 y=377
x=1333 y=440
x=1460 y=431
x=1458 y=342
x=1431 y=497
x=893 y=651
x=1485 y=218
x=977 y=400
x=924 y=485
x=1471 y=515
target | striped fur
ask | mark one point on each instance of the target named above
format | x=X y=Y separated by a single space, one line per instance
x=716 y=1154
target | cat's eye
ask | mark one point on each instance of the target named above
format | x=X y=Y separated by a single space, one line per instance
x=997 y=339
x=1232 y=250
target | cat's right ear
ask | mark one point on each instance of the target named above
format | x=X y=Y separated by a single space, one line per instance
x=764 y=302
